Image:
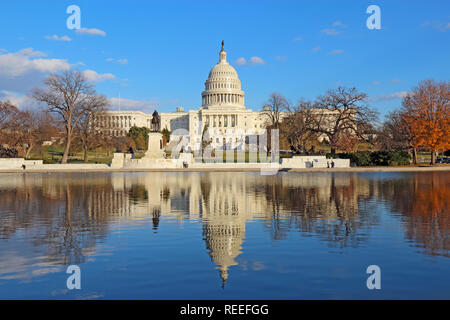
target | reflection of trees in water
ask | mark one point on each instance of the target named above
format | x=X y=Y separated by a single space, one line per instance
x=423 y=201
x=138 y=193
x=329 y=210
x=165 y=193
x=156 y=213
x=57 y=214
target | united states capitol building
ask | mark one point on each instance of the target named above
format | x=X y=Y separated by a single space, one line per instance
x=222 y=111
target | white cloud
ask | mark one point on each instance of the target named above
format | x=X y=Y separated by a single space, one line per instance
x=334 y=31
x=129 y=104
x=93 y=31
x=338 y=24
x=281 y=58
x=330 y=31
x=376 y=82
x=120 y=61
x=240 y=61
x=22 y=62
x=57 y=38
x=338 y=51
x=51 y=65
x=297 y=39
x=23 y=70
x=15 y=98
x=92 y=75
x=391 y=96
x=29 y=52
x=315 y=49
x=20 y=100
x=253 y=61
x=395 y=80
x=438 y=25
x=256 y=60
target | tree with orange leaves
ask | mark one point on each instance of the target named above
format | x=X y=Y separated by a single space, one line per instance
x=426 y=111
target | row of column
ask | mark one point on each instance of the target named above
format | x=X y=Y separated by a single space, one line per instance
x=115 y=122
x=216 y=98
x=221 y=120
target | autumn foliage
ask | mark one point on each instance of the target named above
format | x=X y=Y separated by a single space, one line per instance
x=426 y=113
x=24 y=129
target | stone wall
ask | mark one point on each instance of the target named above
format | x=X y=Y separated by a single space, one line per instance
x=124 y=161
x=303 y=162
x=17 y=163
x=11 y=163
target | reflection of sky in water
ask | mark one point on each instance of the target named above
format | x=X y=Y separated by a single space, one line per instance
x=224 y=235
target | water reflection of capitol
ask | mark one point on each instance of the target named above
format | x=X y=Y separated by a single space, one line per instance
x=67 y=213
x=224 y=202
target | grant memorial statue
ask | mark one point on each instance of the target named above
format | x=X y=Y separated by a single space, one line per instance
x=155 y=140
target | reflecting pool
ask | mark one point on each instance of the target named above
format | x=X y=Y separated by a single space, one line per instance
x=218 y=235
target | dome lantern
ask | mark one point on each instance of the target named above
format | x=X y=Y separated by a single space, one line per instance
x=223 y=55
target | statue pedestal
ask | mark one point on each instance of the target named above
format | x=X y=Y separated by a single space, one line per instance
x=155 y=146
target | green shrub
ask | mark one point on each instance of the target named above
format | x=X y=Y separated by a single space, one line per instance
x=360 y=158
x=379 y=158
x=49 y=161
x=398 y=158
x=376 y=158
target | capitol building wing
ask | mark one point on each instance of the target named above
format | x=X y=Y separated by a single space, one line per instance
x=222 y=112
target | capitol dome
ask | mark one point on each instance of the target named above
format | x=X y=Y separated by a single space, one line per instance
x=223 y=87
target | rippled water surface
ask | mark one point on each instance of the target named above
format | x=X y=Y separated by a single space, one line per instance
x=225 y=235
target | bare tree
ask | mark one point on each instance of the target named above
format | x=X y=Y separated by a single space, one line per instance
x=342 y=111
x=23 y=129
x=88 y=131
x=8 y=115
x=274 y=108
x=70 y=96
x=6 y=110
x=33 y=128
x=394 y=133
x=295 y=127
x=27 y=126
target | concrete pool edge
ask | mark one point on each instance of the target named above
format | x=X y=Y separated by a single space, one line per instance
x=307 y=170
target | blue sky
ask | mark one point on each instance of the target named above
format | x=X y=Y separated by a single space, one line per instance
x=159 y=53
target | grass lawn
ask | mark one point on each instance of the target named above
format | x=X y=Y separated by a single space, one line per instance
x=53 y=154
